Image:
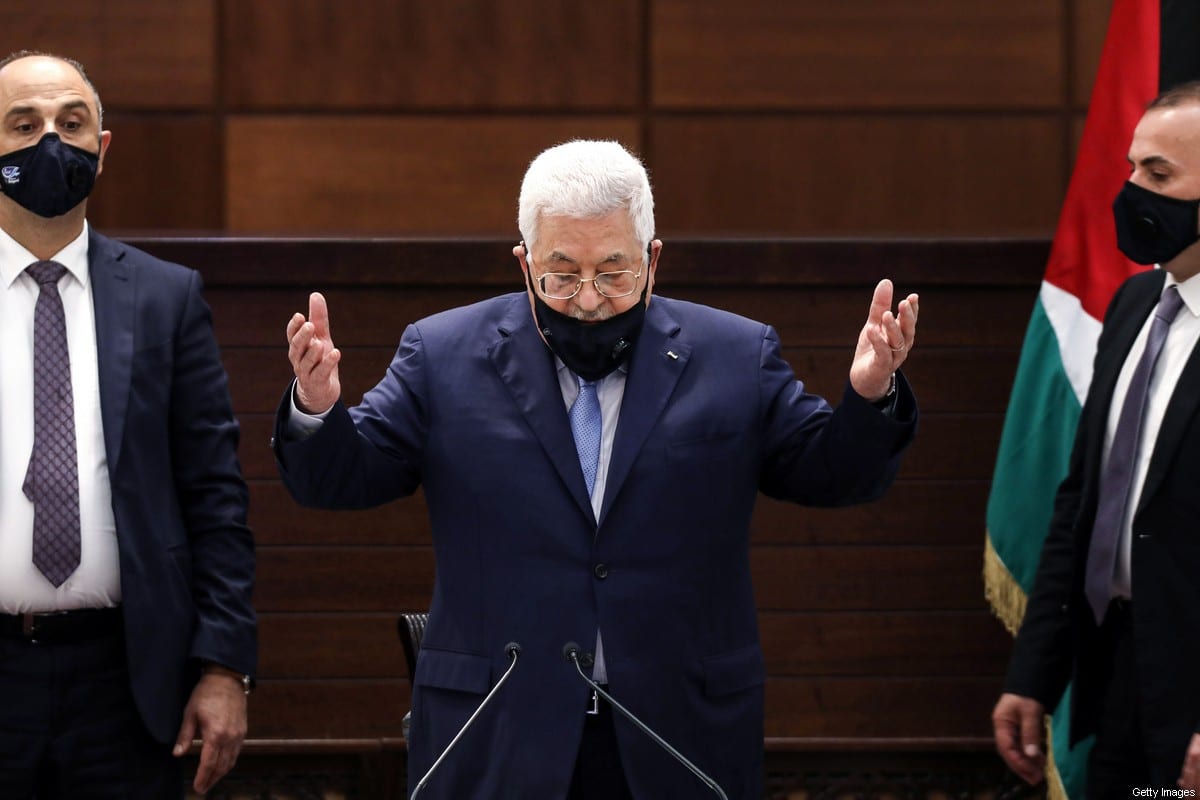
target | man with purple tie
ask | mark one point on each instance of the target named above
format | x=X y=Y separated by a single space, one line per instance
x=126 y=566
x=1115 y=606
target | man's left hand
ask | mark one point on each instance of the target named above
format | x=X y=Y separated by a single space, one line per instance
x=1189 y=778
x=216 y=713
x=884 y=342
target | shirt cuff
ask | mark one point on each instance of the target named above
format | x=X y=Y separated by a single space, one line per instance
x=300 y=424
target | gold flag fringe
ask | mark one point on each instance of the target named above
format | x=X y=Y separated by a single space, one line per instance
x=1004 y=594
x=1007 y=601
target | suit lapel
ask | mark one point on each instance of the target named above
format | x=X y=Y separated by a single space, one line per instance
x=1181 y=408
x=658 y=360
x=526 y=367
x=112 y=296
x=1128 y=324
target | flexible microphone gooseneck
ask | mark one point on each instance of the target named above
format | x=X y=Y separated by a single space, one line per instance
x=571 y=652
x=512 y=650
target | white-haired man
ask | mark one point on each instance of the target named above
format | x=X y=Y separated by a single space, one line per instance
x=590 y=470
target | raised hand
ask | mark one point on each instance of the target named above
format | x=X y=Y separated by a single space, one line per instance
x=314 y=358
x=884 y=342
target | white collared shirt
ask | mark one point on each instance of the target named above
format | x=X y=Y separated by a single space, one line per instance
x=97 y=581
x=1181 y=340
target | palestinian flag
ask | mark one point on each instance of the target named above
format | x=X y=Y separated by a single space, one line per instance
x=1150 y=45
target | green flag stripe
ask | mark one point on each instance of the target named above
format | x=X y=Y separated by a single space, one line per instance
x=1035 y=448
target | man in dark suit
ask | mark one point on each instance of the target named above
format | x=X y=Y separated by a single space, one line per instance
x=590 y=459
x=1116 y=599
x=126 y=566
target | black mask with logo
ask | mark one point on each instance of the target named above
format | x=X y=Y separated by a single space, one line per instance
x=1153 y=228
x=49 y=178
x=590 y=349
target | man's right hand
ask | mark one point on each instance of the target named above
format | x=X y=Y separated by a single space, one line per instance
x=1018 y=723
x=314 y=358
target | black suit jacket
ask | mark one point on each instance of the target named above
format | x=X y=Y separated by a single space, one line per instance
x=1058 y=638
x=186 y=554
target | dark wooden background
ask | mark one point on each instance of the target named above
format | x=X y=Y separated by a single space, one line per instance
x=877 y=637
x=933 y=138
x=408 y=117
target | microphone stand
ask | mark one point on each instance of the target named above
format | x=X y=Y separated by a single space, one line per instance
x=571 y=651
x=513 y=650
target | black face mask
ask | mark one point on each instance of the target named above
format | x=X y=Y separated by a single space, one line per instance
x=590 y=349
x=1153 y=228
x=49 y=178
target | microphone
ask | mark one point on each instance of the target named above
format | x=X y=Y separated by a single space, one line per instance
x=571 y=653
x=512 y=650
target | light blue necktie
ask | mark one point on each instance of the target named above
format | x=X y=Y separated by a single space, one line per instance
x=585 y=427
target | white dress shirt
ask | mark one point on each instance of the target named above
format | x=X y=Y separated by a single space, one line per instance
x=97 y=581
x=1181 y=340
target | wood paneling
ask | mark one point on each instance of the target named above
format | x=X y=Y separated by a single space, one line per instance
x=390 y=175
x=1091 y=23
x=894 y=644
x=868 y=578
x=161 y=171
x=929 y=174
x=866 y=54
x=390 y=54
x=140 y=54
x=308 y=646
x=866 y=708
x=329 y=709
x=322 y=579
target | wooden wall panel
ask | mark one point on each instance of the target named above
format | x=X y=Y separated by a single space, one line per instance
x=389 y=55
x=867 y=578
x=866 y=708
x=938 y=175
x=1091 y=23
x=390 y=175
x=892 y=644
x=140 y=54
x=321 y=579
x=161 y=171
x=870 y=615
x=873 y=54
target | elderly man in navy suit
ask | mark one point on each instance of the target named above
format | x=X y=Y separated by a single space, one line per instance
x=590 y=457
x=125 y=562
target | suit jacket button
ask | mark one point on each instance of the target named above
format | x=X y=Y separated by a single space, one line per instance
x=600 y=571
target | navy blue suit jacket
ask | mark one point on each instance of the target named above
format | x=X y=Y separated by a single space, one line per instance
x=186 y=554
x=470 y=409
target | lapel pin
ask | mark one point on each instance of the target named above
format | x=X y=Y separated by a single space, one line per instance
x=672 y=356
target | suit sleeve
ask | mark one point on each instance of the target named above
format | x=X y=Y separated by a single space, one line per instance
x=365 y=456
x=212 y=494
x=819 y=456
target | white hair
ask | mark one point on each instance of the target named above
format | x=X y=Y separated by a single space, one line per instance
x=585 y=179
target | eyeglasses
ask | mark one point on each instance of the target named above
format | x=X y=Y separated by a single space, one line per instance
x=565 y=285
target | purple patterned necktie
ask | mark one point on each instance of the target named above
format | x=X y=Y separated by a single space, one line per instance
x=1116 y=479
x=52 y=482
